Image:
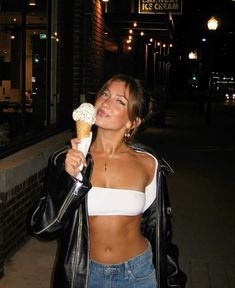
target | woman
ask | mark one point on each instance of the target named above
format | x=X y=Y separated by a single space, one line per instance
x=107 y=227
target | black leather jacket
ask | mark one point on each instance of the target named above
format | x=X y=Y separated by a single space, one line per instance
x=61 y=213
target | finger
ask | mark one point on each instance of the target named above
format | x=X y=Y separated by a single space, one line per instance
x=75 y=159
x=76 y=155
x=71 y=170
x=74 y=143
x=72 y=164
x=74 y=152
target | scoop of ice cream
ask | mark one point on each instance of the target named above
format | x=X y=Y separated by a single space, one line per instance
x=86 y=112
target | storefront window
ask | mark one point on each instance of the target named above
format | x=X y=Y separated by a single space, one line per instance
x=29 y=90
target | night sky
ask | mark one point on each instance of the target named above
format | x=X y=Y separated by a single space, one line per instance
x=196 y=14
x=191 y=27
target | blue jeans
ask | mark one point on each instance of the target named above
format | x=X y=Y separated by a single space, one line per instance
x=137 y=272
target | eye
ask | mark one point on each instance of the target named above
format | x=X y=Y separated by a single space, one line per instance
x=120 y=102
x=104 y=94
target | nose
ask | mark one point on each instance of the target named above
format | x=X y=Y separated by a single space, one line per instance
x=107 y=101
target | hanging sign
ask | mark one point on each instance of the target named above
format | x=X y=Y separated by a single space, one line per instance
x=160 y=6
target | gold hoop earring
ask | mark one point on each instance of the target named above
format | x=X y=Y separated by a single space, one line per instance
x=127 y=135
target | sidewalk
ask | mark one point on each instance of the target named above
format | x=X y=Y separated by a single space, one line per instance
x=202 y=197
x=31 y=266
x=201 y=191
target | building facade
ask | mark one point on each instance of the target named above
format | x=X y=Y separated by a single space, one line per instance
x=55 y=55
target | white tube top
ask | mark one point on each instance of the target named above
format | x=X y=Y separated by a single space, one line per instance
x=111 y=201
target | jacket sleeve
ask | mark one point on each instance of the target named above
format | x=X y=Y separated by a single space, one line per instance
x=148 y=227
x=171 y=274
x=156 y=227
x=61 y=196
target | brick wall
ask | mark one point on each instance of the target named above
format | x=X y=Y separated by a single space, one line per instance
x=97 y=45
x=21 y=181
x=1 y=241
x=15 y=206
x=88 y=50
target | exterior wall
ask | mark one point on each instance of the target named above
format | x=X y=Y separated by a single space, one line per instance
x=21 y=174
x=16 y=204
x=88 y=50
x=21 y=179
x=1 y=241
x=96 y=56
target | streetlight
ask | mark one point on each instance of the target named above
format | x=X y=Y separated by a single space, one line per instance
x=212 y=25
x=106 y=7
x=192 y=55
x=193 y=82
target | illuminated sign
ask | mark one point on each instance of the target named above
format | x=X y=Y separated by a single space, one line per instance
x=43 y=36
x=160 y=6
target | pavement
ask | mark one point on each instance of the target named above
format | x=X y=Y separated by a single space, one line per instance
x=202 y=197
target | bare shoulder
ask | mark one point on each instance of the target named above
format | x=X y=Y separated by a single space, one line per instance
x=146 y=159
x=147 y=162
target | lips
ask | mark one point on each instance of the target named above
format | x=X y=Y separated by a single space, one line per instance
x=102 y=113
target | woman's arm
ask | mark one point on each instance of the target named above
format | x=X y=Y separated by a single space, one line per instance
x=62 y=194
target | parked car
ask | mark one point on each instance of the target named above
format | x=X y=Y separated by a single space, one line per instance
x=230 y=94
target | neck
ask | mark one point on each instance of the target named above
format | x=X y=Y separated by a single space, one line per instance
x=109 y=143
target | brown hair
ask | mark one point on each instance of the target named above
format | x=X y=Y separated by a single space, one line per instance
x=138 y=104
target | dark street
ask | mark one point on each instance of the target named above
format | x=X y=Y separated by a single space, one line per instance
x=201 y=190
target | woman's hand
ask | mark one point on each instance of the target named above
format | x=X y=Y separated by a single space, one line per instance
x=74 y=159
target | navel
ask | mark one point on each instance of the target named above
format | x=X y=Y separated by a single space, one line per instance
x=108 y=250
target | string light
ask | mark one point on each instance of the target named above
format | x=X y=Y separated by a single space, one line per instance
x=32 y=2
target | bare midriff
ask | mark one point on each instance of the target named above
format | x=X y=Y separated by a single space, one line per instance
x=115 y=239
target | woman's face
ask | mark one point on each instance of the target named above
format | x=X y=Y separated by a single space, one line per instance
x=112 y=107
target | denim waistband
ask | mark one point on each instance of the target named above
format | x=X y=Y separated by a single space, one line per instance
x=124 y=266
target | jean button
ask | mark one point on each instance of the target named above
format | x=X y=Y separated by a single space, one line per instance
x=107 y=270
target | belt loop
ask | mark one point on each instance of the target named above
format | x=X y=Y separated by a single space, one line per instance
x=127 y=268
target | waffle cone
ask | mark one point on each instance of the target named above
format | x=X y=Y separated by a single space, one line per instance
x=83 y=129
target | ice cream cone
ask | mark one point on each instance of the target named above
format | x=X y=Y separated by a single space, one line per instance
x=84 y=116
x=83 y=129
